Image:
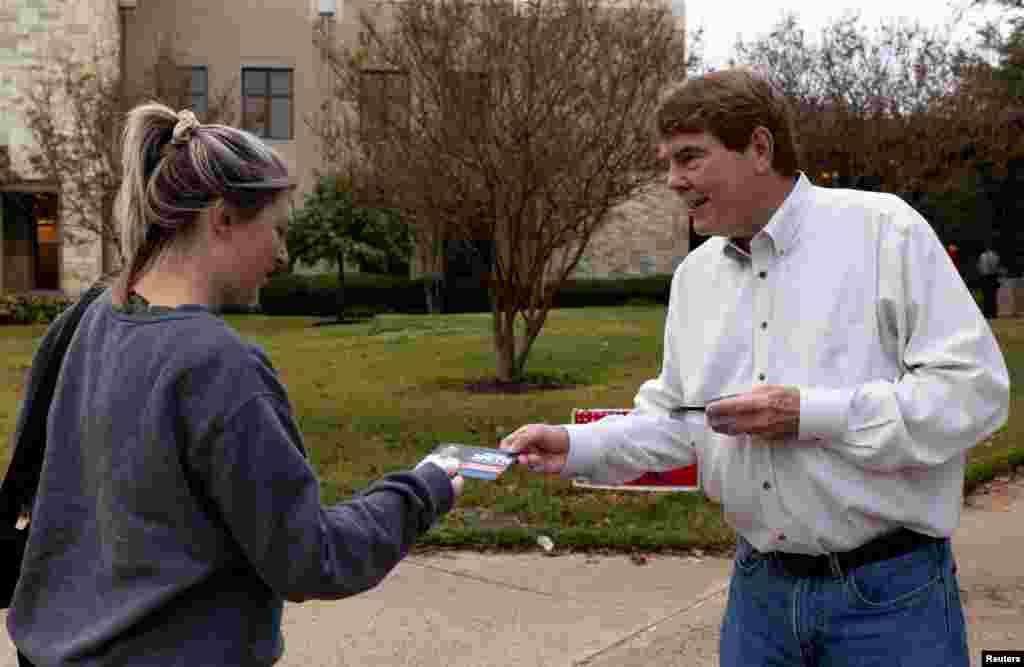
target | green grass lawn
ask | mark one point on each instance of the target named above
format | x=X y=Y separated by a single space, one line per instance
x=375 y=397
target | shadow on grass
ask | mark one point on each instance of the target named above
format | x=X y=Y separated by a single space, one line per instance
x=348 y=319
x=529 y=382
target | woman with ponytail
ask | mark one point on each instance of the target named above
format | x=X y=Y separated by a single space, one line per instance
x=176 y=509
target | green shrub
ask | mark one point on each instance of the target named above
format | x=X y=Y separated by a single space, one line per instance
x=316 y=295
x=618 y=291
x=31 y=309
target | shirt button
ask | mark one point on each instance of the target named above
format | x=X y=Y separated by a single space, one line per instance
x=763 y=274
x=764 y=325
x=761 y=377
x=767 y=486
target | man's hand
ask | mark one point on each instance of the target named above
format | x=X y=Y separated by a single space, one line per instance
x=770 y=411
x=545 y=448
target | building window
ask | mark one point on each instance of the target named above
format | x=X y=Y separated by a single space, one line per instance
x=267 y=95
x=383 y=103
x=199 y=89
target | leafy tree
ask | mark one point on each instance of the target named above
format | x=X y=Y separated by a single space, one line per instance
x=332 y=227
x=992 y=90
x=907 y=110
x=871 y=106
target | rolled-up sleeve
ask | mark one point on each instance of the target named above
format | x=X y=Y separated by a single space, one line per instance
x=954 y=390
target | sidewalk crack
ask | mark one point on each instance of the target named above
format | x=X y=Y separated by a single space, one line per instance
x=495 y=582
x=713 y=593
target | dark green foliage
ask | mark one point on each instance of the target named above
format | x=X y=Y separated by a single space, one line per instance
x=332 y=227
x=30 y=309
x=293 y=294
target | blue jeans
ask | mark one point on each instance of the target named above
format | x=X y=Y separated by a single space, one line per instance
x=901 y=612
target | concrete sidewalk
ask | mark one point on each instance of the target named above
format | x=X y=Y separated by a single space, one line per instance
x=471 y=610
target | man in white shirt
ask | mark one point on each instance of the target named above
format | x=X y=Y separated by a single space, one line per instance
x=863 y=371
x=989 y=271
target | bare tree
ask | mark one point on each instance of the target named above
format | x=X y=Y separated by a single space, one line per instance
x=75 y=112
x=519 y=123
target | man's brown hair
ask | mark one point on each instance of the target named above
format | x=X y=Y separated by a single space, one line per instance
x=729 y=104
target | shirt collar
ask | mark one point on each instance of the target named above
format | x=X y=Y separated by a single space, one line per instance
x=138 y=305
x=784 y=226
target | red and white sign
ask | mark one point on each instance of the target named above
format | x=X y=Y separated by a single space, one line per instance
x=680 y=479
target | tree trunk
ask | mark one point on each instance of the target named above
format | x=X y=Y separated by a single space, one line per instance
x=511 y=364
x=533 y=327
x=505 y=345
x=433 y=285
x=339 y=297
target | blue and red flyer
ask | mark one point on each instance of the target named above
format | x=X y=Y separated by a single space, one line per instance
x=475 y=462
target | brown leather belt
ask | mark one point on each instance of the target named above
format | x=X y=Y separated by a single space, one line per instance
x=895 y=544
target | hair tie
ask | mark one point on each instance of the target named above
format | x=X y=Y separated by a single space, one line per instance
x=187 y=124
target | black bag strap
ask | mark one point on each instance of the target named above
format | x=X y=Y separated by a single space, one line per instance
x=22 y=477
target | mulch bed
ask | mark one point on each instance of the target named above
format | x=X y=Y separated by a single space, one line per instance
x=496 y=386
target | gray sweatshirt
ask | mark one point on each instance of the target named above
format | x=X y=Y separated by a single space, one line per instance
x=176 y=510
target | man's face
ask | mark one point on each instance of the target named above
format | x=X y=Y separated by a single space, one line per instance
x=715 y=182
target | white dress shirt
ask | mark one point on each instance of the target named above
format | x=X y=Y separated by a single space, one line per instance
x=850 y=297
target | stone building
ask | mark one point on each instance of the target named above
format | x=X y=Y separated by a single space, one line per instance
x=262 y=52
x=34 y=257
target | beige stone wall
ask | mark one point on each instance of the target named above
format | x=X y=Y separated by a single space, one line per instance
x=30 y=30
x=228 y=35
x=647 y=234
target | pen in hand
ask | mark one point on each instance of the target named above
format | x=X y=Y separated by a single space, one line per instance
x=683 y=409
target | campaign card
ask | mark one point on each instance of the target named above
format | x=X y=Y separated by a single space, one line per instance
x=476 y=462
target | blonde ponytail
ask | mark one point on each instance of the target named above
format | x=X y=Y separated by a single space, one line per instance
x=173 y=168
